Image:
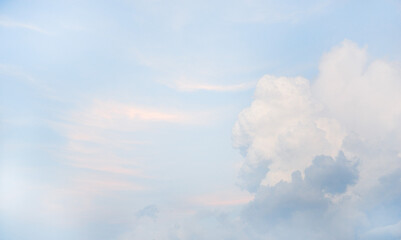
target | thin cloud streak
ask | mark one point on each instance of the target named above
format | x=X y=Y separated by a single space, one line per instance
x=190 y=87
x=27 y=26
x=129 y=117
x=113 y=114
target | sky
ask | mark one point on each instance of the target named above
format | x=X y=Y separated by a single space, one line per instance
x=191 y=120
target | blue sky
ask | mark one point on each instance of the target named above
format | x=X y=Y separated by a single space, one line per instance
x=200 y=119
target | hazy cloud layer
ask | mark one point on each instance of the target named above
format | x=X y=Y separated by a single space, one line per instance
x=116 y=118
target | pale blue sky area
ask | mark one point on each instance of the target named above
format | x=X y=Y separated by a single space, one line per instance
x=109 y=107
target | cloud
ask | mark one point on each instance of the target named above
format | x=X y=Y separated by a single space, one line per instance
x=291 y=133
x=27 y=26
x=189 y=87
x=361 y=94
x=18 y=73
x=99 y=135
x=283 y=128
x=392 y=231
x=301 y=205
x=314 y=172
x=252 y=174
x=223 y=198
x=103 y=165
x=112 y=114
x=304 y=205
x=148 y=211
x=268 y=12
x=196 y=75
x=61 y=202
x=321 y=158
x=177 y=225
x=329 y=176
x=124 y=116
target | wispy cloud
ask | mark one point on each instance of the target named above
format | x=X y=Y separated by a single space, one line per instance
x=98 y=184
x=18 y=73
x=97 y=133
x=28 y=26
x=193 y=86
x=126 y=116
x=268 y=12
x=14 y=71
x=97 y=150
x=179 y=74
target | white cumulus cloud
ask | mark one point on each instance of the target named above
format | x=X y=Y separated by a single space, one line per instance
x=293 y=131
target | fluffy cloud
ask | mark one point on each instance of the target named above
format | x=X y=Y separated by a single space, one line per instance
x=293 y=130
x=362 y=95
x=283 y=128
